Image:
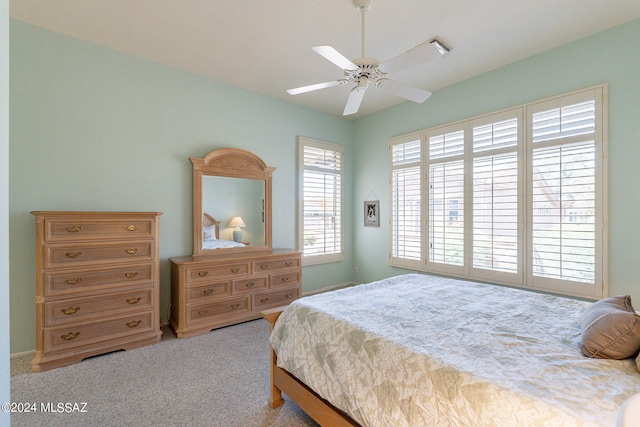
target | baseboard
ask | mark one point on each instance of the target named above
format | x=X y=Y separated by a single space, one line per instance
x=330 y=288
x=23 y=354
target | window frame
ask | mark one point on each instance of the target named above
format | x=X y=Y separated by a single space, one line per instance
x=313 y=259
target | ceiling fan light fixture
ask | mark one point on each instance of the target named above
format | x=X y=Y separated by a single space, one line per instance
x=440 y=47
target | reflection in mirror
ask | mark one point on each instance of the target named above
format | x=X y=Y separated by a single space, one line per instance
x=225 y=198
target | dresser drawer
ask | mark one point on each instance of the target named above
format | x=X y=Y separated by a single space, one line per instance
x=272 y=264
x=206 y=312
x=284 y=279
x=102 y=278
x=96 y=253
x=66 y=337
x=251 y=284
x=208 y=272
x=265 y=300
x=69 y=229
x=209 y=291
x=80 y=309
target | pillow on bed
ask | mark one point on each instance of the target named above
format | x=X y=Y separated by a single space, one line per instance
x=610 y=329
x=209 y=233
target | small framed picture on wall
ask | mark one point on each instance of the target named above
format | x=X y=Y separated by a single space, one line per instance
x=372 y=213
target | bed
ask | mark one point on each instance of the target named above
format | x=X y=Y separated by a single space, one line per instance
x=211 y=234
x=417 y=350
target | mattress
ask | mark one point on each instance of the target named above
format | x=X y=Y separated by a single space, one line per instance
x=417 y=350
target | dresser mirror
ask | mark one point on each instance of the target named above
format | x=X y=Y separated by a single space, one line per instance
x=231 y=203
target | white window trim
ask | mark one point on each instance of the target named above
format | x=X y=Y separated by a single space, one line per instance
x=322 y=258
x=524 y=277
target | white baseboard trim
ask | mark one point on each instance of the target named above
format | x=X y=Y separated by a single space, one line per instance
x=330 y=288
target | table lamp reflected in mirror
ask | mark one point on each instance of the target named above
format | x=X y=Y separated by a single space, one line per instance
x=237 y=222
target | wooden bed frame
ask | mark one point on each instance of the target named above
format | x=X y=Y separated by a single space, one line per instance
x=323 y=412
x=208 y=220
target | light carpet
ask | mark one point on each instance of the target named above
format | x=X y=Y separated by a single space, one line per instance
x=220 y=378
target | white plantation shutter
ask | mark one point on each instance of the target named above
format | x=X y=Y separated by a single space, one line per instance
x=321 y=222
x=495 y=213
x=564 y=212
x=446 y=213
x=563 y=122
x=496 y=195
x=446 y=239
x=566 y=205
x=406 y=206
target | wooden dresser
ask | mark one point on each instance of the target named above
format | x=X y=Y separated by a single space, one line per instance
x=215 y=291
x=97 y=284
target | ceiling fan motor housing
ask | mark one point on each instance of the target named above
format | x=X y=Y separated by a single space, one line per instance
x=362 y=5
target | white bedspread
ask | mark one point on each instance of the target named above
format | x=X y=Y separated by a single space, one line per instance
x=418 y=350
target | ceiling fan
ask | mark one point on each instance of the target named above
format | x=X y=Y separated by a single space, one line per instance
x=366 y=71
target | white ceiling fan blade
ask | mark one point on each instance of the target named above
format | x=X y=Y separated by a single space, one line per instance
x=336 y=57
x=354 y=100
x=405 y=91
x=305 y=89
x=420 y=54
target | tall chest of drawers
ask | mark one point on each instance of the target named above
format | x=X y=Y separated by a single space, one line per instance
x=212 y=292
x=97 y=284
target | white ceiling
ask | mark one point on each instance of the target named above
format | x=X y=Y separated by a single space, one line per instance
x=264 y=45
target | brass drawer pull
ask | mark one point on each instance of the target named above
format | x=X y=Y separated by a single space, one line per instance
x=202 y=273
x=263 y=300
x=203 y=312
x=285 y=279
x=264 y=266
x=131 y=275
x=70 y=336
x=73 y=254
x=74 y=281
x=288 y=263
x=134 y=323
x=131 y=227
x=250 y=284
x=234 y=306
x=133 y=300
x=74 y=229
x=235 y=269
x=207 y=291
x=132 y=251
x=70 y=310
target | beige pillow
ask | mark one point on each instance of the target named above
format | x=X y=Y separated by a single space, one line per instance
x=610 y=329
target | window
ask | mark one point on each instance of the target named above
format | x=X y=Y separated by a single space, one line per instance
x=566 y=182
x=515 y=197
x=321 y=201
x=445 y=184
x=406 y=204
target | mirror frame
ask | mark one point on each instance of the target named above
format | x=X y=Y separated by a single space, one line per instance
x=230 y=163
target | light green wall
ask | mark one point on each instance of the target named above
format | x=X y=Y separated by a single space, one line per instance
x=612 y=56
x=94 y=129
